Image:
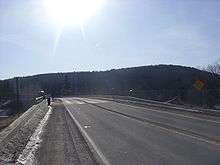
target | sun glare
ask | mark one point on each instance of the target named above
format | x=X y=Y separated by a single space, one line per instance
x=72 y=12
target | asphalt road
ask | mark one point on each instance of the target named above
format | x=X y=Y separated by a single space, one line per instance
x=124 y=134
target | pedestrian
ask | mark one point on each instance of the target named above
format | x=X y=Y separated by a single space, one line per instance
x=48 y=101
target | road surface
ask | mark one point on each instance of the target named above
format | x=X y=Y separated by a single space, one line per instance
x=123 y=134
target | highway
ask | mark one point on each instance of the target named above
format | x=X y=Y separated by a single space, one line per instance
x=121 y=134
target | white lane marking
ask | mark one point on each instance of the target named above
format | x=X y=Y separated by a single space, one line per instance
x=160 y=127
x=90 y=141
x=68 y=102
x=78 y=100
x=73 y=102
x=93 y=101
x=27 y=157
x=174 y=114
x=87 y=126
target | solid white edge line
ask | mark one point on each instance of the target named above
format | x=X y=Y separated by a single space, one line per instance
x=99 y=155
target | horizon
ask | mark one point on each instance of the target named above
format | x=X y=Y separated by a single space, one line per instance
x=113 y=34
x=83 y=71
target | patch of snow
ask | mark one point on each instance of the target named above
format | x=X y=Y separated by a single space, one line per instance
x=27 y=157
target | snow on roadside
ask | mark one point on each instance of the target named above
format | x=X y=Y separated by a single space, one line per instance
x=28 y=155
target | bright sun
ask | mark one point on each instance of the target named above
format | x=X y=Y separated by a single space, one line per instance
x=72 y=12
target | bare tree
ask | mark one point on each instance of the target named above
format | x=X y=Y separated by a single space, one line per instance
x=214 y=68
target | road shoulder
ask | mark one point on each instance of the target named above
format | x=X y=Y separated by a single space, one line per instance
x=62 y=142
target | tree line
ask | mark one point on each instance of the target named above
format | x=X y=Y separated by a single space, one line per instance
x=158 y=82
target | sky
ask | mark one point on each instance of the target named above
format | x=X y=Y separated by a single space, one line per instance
x=123 y=33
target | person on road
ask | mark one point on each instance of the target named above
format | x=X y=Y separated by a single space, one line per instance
x=48 y=101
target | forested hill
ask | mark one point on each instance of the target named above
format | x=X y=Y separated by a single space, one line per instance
x=121 y=81
x=158 y=82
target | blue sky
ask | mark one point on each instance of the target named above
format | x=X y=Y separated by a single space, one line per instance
x=124 y=33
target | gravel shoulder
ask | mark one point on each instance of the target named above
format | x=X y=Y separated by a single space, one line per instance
x=62 y=143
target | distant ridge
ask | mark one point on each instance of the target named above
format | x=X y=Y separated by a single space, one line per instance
x=157 y=82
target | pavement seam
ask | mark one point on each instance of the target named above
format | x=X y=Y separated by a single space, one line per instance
x=171 y=107
x=165 y=126
x=175 y=114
